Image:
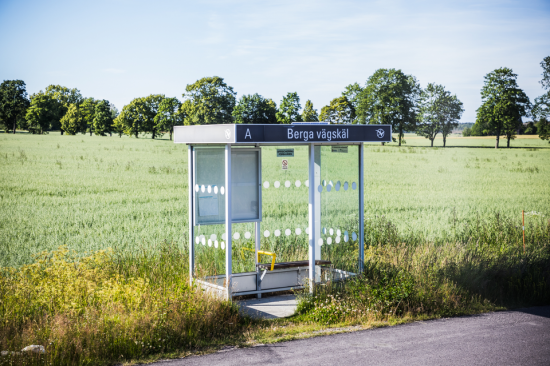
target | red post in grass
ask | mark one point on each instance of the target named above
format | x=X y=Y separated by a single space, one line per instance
x=523 y=223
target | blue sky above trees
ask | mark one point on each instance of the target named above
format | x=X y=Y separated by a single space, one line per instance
x=122 y=49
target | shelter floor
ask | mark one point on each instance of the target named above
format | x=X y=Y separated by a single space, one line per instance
x=270 y=307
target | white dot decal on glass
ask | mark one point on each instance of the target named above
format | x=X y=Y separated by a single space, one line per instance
x=338 y=185
x=223 y=236
x=346 y=186
x=331 y=184
x=324 y=230
x=329 y=188
x=329 y=240
x=203 y=188
x=277 y=232
x=307 y=230
x=354 y=236
x=297 y=184
x=338 y=232
x=203 y=240
x=209 y=189
x=266 y=233
x=196 y=187
x=320 y=241
x=298 y=231
x=346 y=232
x=197 y=240
x=213 y=237
x=354 y=186
x=287 y=184
x=346 y=237
x=331 y=232
x=215 y=189
x=266 y=184
x=209 y=242
x=223 y=245
x=307 y=183
x=236 y=236
x=337 y=240
x=277 y=184
x=287 y=232
x=320 y=188
x=324 y=183
x=222 y=190
x=247 y=235
x=215 y=244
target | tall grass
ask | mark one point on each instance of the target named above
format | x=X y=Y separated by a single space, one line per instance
x=481 y=267
x=108 y=307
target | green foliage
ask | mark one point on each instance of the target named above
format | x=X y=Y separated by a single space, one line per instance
x=340 y=110
x=139 y=116
x=390 y=97
x=438 y=112
x=168 y=115
x=208 y=101
x=103 y=119
x=289 y=109
x=72 y=122
x=530 y=129
x=61 y=98
x=13 y=103
x=545 y=64
x=254 y=109
x=87 y=110
x=543 y=129
x=467 y=132
x=309 y=114
x=503 y=104
x=353 y=93
x=41 y=112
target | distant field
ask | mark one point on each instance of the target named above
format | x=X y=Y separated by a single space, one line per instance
x=95 y=192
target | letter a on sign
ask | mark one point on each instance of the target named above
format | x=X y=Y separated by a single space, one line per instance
x=248 y=135
x=285 y=164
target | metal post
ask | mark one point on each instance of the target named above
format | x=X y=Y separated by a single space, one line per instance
x=361 y=210
x=312 y=227
x=257 y=247
x=228 y=193
x=191 y=212
x=317 y=212
x=523 y=227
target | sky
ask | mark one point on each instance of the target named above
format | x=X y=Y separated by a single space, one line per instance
x=121 y=49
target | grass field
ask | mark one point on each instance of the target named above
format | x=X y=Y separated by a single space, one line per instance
x=442 y=238
x=89 y=193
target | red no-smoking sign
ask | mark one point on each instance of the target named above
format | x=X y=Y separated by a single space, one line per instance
x=285 y=164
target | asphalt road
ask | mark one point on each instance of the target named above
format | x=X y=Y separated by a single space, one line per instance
x=519 y=337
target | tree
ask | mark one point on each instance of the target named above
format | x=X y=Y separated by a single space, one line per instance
x=353 y=93
x=452 y=111
x=254 y=109
x=148 y=108
x=41 y=112
x=72 y=121
x=129 y=120
x=430 y=111
x=340 y=110
x=541 y=109
x=87 y=110
x=168 y=115
x=545 y=64
x=503 y=104
x=207 y=101
x=103 y=119
x=309 y=114
x=62 y=97
x=13 y=102
x=390 y=97
x=289 y=109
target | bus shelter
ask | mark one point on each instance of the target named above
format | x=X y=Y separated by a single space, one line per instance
x=225 y=190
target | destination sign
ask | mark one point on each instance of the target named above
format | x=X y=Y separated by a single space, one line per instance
x=301 y=133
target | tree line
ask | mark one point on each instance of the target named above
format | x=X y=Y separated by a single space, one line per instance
x=388 y=97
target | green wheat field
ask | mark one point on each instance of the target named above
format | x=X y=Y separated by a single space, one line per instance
x=88 y=193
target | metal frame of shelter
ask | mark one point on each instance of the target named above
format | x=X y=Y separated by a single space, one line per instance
x=313 y=135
